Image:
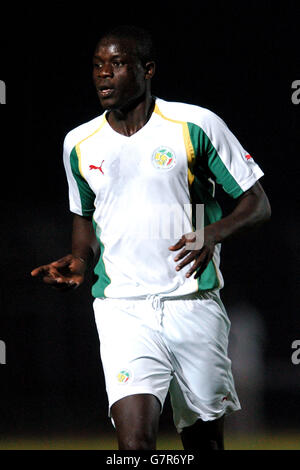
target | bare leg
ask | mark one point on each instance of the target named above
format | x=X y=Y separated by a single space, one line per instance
x=136 y=418
x=204 y=435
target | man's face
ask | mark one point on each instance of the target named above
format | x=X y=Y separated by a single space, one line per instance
x=119 y=77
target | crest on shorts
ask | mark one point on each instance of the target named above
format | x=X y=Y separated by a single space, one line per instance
x=163 y=158
x=124 y=376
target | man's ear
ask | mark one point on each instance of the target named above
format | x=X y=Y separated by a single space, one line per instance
x=149 y=70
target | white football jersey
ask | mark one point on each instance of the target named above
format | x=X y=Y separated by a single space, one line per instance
x=142 y=192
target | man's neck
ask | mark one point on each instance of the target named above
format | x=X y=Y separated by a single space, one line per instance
x=129 y=121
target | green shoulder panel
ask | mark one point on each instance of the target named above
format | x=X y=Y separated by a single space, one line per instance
x=207 y=157
x=87 y=196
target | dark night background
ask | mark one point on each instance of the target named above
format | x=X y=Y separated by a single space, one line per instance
x=238 y=59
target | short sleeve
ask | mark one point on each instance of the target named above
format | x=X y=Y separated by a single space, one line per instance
x=229 y=163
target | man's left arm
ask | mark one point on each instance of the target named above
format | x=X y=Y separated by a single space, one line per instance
x=252 y=209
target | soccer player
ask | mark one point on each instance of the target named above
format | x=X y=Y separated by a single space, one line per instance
x=137 y=174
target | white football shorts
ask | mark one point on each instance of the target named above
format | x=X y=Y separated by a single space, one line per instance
x=156 y=344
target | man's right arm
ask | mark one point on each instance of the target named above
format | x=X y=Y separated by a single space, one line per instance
x=84 y=242
x=68 y=272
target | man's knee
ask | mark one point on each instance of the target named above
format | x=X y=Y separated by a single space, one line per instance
x=136 y=418
x=204 y=435
x=137 y=440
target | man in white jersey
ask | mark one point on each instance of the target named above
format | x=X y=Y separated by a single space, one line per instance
x=136 y=176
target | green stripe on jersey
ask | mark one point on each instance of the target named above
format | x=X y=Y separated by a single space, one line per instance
x=209 y=279
x=103 y=280
x=87 y=196
x=208 y=157
x=202 y=192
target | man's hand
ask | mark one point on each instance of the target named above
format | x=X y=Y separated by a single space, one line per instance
x=252 y=209
x=65 y=274
x=201 y=255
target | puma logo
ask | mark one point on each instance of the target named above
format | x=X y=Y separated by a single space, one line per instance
x=93 y=167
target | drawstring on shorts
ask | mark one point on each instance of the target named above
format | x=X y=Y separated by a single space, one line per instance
x=157 y=305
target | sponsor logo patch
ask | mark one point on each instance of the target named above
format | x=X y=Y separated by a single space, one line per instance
x=93 y=167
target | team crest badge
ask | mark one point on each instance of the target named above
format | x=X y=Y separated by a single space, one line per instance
x=124 y=376
x=163 y=158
